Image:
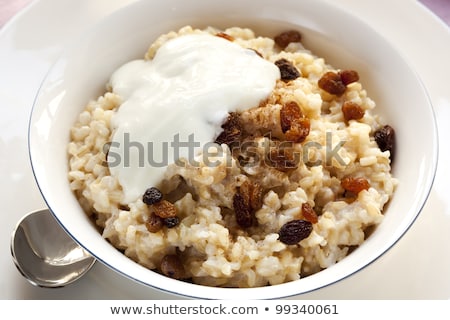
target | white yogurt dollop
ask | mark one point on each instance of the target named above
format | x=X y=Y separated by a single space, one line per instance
x=176 y=103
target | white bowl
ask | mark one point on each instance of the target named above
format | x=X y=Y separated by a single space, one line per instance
x=344 y=40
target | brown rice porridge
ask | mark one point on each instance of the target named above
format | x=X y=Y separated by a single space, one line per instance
x=307 y=188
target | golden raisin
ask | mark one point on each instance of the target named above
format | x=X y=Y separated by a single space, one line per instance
x=299 y=130
x=283 y=159
x=285 y=38
x=225 y=36
x=355 y=185
x=352 y=111
x=165 y=209
x=308 y=213
x=288 y=113
x=154 y=223
x=332 y=83
x=256 y=197
x=252 y=193
x=348 y=76
x=246 y=202
x=172 y=267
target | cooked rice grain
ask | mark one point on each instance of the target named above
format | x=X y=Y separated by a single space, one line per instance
x=215 y=251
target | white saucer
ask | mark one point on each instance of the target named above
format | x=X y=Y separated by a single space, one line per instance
x=416 y=268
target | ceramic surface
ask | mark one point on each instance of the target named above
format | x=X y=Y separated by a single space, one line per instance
x=26 y=59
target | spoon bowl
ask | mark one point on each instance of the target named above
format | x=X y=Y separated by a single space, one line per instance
x=45 y=254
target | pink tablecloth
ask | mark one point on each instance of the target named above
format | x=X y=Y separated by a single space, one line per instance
x=9 y=8
x=440 y=7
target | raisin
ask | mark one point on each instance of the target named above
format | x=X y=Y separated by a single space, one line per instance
x=252 y=194
x=288 y=113
x=332 y=83
x=152 y=195
x=295 y=231
x=352 y=111
x=257 y=52
x=348 y=76
x=165 y=209
x=308 y=213
x=246 y=202
x=355 y=185
x=124 y=207
x=299 y=130
x=154 y=223
x=283 y=159
x=232 y=130
x=171 y=222
x=293 y=124
x=242 y=210
x=225 y=36
x=287 y=70
x=285 y=38
x=256 y=197
x=172 y=267
x=385 y=138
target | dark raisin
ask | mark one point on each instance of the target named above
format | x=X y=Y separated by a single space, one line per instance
x=154 y=223
x=232 y=130
x=332 y=83
x=124 y=207
x=348 y=76
x=232 y=122
x=152 y=195
x=295 y=231
x=171 y=266
x=355 y=185
x=308 y=213
x=352 y=111
x=288 y=113
x=171 y=222
x=385 y=138
x=285 y=38
x=242 y=211
x=287 y=70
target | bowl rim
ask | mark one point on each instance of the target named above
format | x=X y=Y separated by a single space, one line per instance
x=259 y=292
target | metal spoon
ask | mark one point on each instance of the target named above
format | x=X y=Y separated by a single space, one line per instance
x=45 y=254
